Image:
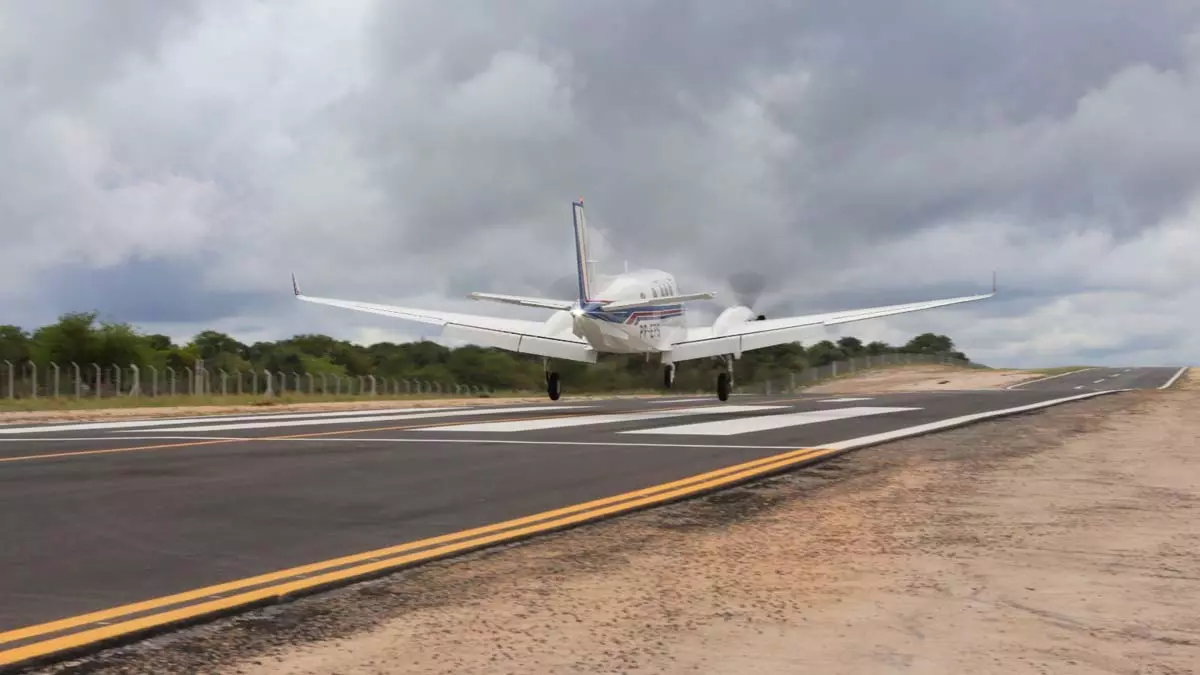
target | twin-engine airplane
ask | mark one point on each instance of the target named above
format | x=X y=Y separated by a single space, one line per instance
x=632 y=313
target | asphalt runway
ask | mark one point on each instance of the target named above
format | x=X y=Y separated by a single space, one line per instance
x=96 y=516
x=1104 y=379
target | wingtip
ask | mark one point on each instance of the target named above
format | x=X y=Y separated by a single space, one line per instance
x=295 y=286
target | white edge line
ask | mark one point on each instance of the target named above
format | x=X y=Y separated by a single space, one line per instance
x=906 y=432
x=1051 y=377
x=1178 y=374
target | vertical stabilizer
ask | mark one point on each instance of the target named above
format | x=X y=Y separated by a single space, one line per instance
x=583 y=265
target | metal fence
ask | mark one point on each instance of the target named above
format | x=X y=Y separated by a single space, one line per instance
x=52 y=380
x=28 y=380
x=794 y=382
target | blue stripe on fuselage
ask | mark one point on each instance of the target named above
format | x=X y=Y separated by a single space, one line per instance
x=633 y=315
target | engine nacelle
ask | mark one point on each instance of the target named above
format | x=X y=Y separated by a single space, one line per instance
x=732 y=316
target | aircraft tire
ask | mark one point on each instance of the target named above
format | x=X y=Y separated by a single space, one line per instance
x=668 y=376
x=723 y=386
x=553 y=386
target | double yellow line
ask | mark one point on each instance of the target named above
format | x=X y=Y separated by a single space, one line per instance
x=116 y=623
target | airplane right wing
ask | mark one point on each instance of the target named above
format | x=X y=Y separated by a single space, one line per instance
x=702 y=342
x=515 y=335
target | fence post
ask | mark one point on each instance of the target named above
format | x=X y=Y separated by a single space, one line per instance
x=311 y=387
x=224 y=381
x=12 y=379
x=136 y=389
x=153 y=381
x=270 y=382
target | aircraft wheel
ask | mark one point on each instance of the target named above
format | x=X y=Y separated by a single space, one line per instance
x=723 y=386
x=553 y=386
x=668 y=376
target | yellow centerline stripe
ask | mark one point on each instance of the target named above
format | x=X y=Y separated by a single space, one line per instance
x=316 y=434
x=588 y=511
x=102 y=615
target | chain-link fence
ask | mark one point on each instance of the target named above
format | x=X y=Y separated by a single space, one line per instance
x=791 y=383
x=29 y=380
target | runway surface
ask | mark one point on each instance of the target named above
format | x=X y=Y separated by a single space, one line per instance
x=99 y=515
x=1103 y=379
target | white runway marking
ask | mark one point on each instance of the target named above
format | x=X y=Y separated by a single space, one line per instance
x=845 y=399
x=182 y=421
x=1178 y=374
x=424 y=413
x=677 y=400
x=581 y=420
x=749 y=425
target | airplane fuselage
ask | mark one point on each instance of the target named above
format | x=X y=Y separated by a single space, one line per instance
x=649 y=328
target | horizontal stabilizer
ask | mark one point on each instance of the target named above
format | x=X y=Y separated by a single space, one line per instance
x=663 y=300
x=545 y=303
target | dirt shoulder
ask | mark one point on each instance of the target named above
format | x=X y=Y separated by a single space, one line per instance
x=1058 y=542
x=922 y=378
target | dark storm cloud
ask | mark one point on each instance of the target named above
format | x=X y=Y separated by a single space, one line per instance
x=152 y=291
x=852 y=153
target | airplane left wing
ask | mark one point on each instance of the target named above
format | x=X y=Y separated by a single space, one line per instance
x=702 y=342
x=515 y=335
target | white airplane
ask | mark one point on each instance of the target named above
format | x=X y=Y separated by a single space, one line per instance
x=638 y=312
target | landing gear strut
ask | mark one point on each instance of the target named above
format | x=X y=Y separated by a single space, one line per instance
x=553 y=385
x=668 y=375
x=725 y=380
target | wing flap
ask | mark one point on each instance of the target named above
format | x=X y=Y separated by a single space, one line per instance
x=520 y=343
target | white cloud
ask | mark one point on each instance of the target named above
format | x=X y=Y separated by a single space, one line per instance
x=410 y=152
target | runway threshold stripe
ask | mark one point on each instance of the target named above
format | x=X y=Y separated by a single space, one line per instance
x=581 y=420
x=375 y=418
x=244 y=439
x=285 y=583
x=184 y=421
x=747 y=425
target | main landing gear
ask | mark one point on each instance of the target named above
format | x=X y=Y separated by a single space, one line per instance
x=725 y=380
x=668 y=376
x=553 y=383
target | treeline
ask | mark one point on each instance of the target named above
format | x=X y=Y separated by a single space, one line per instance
x=80 y=338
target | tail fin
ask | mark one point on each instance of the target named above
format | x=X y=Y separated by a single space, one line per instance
x=583 y=265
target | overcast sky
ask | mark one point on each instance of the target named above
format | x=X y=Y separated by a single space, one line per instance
x=170 y=163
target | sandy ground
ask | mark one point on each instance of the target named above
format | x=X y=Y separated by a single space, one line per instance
x=923 y=378
x=1058 y=542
